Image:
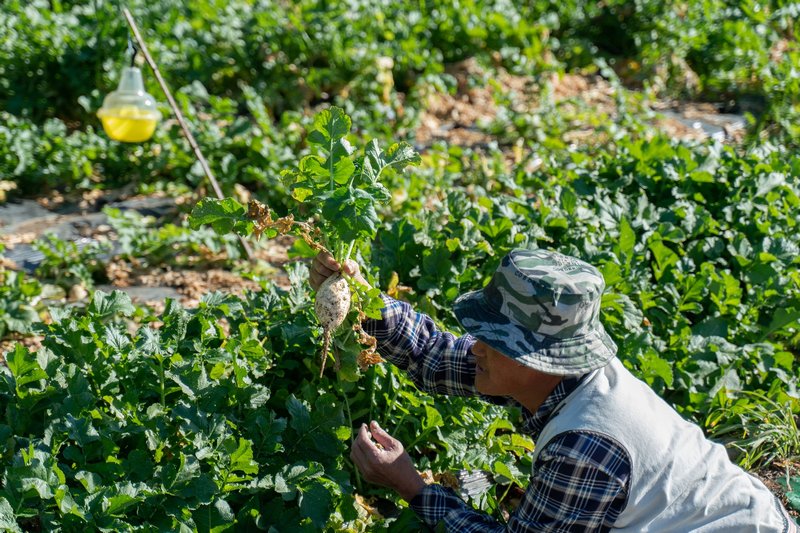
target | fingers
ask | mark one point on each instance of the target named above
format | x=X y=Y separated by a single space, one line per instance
x=357 y=454
x=323 y=266
x=362 y=438
x=381 y=437
x=384 y=462
x=363 y=453
x=365 y=443
x=326 y=260
x=350 y=267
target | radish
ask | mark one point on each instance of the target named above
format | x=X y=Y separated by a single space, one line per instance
x=331 y=305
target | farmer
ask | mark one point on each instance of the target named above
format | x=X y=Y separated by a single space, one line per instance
x=610 y=454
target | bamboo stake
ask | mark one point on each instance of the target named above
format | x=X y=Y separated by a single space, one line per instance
x=181 y=120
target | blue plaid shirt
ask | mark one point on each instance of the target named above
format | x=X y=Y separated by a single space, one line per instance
x=579 y=480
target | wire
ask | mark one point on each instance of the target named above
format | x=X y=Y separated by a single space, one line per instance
x=132 y=50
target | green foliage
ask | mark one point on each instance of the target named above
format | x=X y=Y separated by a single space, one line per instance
x=340 y=191
x=344 y=191
x=760 y=429
x=792 y=487
x=38 y=157
x=18 y=299
x=179 y=424
x=207 y=418
x=376 y=60
x=52 y=53
x=152 y=242
x=49 y=156
x=223 y=216
x=697 y=244
x=65 y=263
x=302 y=52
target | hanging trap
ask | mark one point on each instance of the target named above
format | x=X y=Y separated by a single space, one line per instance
x=129 y=114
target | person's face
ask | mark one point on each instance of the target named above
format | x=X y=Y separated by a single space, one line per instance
x=499 y=375
x=496 y=374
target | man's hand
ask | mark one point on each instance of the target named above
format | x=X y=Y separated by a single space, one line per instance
x=324 y=265
x=385 y=462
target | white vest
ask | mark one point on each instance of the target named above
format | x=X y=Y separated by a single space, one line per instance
x=680 y=481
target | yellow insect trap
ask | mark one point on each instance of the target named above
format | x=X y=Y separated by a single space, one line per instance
x=129 y=114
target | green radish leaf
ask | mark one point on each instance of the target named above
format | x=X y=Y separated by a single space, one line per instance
x=380 y=193
x=127 y=496
x=19 y=317
x=105 y=305
x=627 y=240
x=341 y=148
x=654 y=366
x=315 y=167
x=24 y=366
x=223 y=216
x=400 y=155
x=242 y=458
x=354 y=213
x=8 y=522
x=214 y=518
x=299 y=414
x=665 y=258
x=701 y=176
x=569 y=200
x=342 y=170
x=501 y=470
x=781 y=319
x=315 y=503
x=330 y=125
x=302 y=193
x=375 y=161
x=116 y=339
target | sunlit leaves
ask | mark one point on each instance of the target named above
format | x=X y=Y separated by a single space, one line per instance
x=330 y=126
x=104 y=305
x=224 y=216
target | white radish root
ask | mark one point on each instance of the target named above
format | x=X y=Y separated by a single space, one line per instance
x=331 y=305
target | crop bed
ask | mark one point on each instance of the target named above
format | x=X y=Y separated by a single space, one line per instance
x=152 y=377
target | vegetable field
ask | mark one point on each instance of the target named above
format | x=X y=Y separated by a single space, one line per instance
x=156 y=375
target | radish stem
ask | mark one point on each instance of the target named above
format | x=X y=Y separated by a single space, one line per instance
x=349 y=250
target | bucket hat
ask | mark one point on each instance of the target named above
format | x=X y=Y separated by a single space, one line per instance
x=542 y=309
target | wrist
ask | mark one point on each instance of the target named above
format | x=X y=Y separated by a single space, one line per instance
x=412 y=488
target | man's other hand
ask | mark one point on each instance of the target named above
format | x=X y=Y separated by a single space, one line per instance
x=382 y=460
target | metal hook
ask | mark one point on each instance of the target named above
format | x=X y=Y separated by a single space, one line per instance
x=132 y=50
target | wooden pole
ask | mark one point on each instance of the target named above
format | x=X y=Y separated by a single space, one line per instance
x=182 y=121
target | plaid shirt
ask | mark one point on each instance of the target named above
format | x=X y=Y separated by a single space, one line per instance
x=579 y=480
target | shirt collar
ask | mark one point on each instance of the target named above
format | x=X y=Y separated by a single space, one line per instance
x=532 y=423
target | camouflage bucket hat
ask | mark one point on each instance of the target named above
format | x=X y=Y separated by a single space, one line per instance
x=542 y=309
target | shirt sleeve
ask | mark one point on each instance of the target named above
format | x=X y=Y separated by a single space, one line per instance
x=435 y=361
x=579 y=484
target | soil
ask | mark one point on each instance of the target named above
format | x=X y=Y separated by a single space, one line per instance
x=459 y=118
x=770 y=476
x=453 y=117
x=192 y=285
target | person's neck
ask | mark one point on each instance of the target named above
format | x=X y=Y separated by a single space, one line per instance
x=541 y=386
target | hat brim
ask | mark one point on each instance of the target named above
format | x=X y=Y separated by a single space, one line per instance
x=561 y=357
